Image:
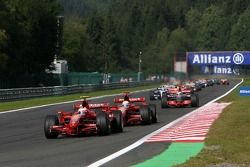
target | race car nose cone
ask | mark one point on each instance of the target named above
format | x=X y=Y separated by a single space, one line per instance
x=73 y=124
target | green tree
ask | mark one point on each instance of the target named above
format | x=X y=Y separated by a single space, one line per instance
x=177 y=44
x=118 y=30
x=193 y=25
x=214 y=30
x=110 y=45
x=73 y=34
x=155 y=56
x=3 y=56
x=31 y=30
x=240 y=34
x=43 y=34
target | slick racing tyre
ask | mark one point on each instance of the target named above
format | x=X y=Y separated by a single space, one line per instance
x=164 y=102
x=117 y=123
x=152 y=108
x=50 y=120
x=103 y=123
x=194 y=100
x=98 y=110
x=151 y=95
x=145 y=115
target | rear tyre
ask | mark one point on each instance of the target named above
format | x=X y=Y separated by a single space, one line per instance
x=152 y=108
x=49 y=121
x=98 y=110
x=164 y=102
x=117 y=123
x=145 y=115
x=194 y=100
x=103 y=123
x=151 y=95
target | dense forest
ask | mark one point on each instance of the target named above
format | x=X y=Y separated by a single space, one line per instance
x=108 y=35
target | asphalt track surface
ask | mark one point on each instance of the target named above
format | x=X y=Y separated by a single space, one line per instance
x=22 y=141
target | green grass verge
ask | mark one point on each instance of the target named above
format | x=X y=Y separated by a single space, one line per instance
x=228 y=140
x=5 y=106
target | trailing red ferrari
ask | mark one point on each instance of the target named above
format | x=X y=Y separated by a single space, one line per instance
x=224 y=81
x=135 y=110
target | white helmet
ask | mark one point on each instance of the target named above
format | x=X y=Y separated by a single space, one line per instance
x=82 y=110
x=125 y=104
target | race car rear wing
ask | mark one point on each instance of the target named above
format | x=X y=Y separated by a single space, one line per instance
x=139 y=99
x=99 y=105
x=175 y=90
x=186 y=91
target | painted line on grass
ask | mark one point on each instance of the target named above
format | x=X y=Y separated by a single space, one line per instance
x=142 y=140
x=174 y=155
x=92 y=98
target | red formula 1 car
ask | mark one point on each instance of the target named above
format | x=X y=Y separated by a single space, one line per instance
x=115 y=116
x=224 y=81
x=179 y=97
x=86 y=119
x=135 y=110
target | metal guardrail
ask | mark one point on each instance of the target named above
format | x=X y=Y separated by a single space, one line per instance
x=23 y=93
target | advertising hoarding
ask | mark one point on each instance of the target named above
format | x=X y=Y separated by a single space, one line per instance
x=219 y=58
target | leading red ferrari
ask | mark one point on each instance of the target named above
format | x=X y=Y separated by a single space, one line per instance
x=86 y=119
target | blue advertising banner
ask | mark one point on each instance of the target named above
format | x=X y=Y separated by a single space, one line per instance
x=217 y=58
x=244 y=90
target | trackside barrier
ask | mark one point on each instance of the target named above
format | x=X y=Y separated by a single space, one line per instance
x=22 y=93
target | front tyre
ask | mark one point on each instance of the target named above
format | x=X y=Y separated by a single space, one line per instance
x=103 y=124
x=117 y=123
x=151 y=95
x=194 y=100
x=50 y=121
x=164 y=102
x=152 y=108
x=145 y=115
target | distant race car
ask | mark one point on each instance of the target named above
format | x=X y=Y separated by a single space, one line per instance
x=224 y=81
x=135 y=110
x=156 y=94
x=177 y=97
x=216 y=81
x=159 y=92
x=86 y=119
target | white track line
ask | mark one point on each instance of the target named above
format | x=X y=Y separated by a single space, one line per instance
x=46 y=105
x=142 y=140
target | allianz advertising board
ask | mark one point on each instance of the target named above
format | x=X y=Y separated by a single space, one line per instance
x=220 y=69
x=219 y=58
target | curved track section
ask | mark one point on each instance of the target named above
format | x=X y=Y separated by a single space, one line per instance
x=22 y=141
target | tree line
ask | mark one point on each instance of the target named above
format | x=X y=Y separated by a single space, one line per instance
x=108 y=35
x=112 y=38
x=27 y=35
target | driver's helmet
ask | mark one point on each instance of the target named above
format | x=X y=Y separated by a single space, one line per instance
x=82 y=110
x=179 y=93
x=125 y=104
x=178 y=87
